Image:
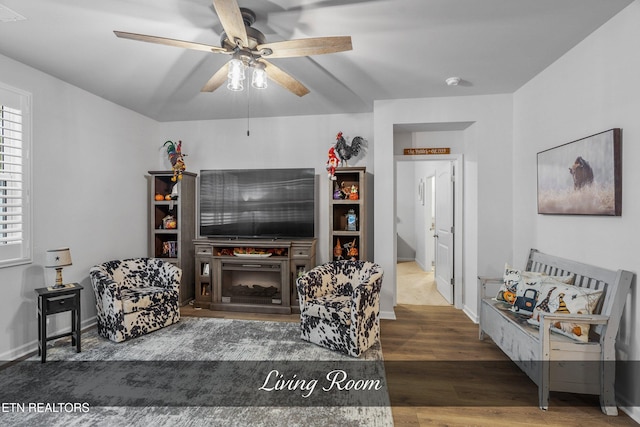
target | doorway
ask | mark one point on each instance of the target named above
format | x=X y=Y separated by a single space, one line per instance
x=425 y=257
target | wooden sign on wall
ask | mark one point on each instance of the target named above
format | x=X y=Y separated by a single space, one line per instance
x=414 y=151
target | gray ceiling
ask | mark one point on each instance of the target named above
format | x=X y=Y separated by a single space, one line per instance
x=401 y=49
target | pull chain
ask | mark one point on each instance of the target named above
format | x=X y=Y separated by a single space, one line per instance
x=248 y=110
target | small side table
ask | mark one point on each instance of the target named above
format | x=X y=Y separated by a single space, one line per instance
x=52 y=301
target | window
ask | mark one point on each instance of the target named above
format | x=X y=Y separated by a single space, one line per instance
x=15 y=177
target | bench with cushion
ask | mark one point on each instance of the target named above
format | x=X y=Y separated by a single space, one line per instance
x=558 y=320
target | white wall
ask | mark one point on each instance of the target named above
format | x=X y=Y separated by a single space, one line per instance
x=406 y=242
x=285 y=142
x=592 y=88
x=89 y=193
x=487 y=187
x=406 y=194
x=410 y=212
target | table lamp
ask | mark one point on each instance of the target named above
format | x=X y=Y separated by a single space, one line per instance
x=58 y=258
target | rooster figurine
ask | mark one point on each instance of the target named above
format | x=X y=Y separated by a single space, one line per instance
x=332 y=163
x=345 y=150
x=176 y=158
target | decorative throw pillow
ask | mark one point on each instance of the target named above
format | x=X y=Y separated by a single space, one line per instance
x=511 y=280
x=529 y=289
x=559 y=298
x=521 y=288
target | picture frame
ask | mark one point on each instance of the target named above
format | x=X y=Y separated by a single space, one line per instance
x=582 y=177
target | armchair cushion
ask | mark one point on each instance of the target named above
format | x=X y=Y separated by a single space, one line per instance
x=137 y=299
x=332 y=308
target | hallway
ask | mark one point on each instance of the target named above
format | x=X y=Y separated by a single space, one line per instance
x=417 y=287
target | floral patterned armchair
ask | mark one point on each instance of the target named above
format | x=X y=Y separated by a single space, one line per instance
x=339 y=305
x=135 y=296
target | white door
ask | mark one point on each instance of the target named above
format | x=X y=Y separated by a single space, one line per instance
x=444 y=230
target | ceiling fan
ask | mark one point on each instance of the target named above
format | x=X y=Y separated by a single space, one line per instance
x=248 y=48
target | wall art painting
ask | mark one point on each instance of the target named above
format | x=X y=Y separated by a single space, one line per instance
x=582 y=177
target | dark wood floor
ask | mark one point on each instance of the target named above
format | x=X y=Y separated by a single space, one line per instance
x=439 y=373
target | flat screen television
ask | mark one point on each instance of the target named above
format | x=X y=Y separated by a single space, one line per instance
x=257 y=203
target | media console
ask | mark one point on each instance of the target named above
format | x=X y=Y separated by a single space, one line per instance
x=251 y=275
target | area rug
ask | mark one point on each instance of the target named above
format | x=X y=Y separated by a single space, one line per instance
x=198 y=372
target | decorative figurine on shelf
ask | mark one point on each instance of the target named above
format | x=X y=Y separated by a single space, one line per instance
x=352 y=250
x=337 y=193
x=174 y=193
x=332 y=163
x=337 y=251
x=345 y=150
x=353 y=195
x=176 y=158
x=169 y=222
x=352 y=220
x=344 y=190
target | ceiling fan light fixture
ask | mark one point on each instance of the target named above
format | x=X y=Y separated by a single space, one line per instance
x=259 y=76
x=236 y=75
x=236 y=69
x=248 y=46
x=235 y=85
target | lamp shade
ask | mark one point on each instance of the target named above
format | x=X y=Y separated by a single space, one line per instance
x=259 y=77
x=58 y=258
x=236 y=75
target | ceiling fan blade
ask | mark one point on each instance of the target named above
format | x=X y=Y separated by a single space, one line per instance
x=217 y=79
x=231 y=19
x=306 y=47
x=284 y=79
x=170 y=42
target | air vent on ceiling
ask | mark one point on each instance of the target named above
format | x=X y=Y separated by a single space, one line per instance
x=8 y=15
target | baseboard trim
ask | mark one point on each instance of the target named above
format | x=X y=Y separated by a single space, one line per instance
x=424 y=268
x=632 y=411
x=390 y=315
x=14 y=354
x=29 y=349
x=470 y=314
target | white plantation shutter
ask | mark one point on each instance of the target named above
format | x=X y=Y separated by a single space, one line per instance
x=15 y=180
